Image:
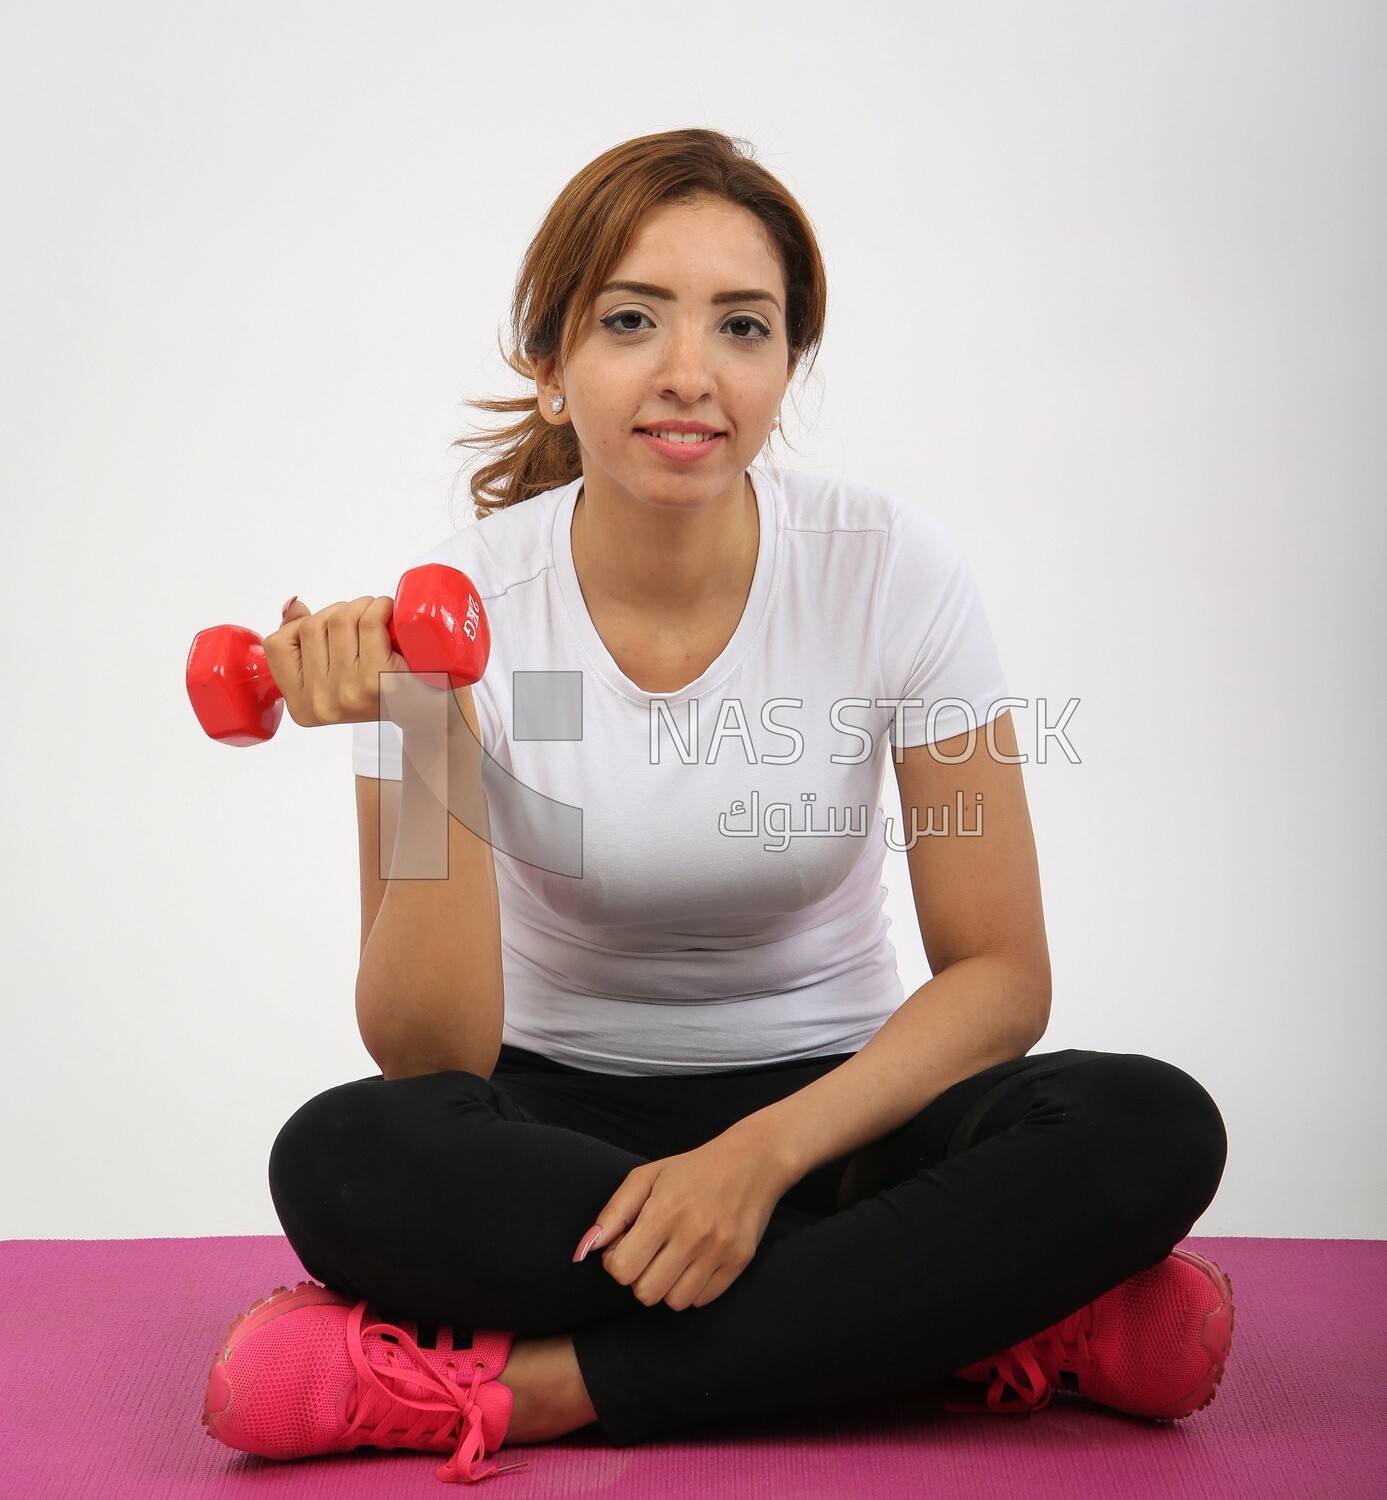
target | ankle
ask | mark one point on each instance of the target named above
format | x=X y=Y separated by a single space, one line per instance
x=547 y=1390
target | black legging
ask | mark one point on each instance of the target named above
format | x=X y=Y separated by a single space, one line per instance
x=1017 y=1196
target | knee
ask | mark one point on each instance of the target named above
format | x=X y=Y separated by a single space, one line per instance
x=1169 y=1136
x=323 y=1123
x=346 y=1147
x=359 y=1137
x=313 y=1147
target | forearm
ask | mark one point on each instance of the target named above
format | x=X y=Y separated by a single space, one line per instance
x=429 y=992
x=977 y=1012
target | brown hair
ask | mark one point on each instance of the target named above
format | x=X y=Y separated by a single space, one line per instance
x=583 y=236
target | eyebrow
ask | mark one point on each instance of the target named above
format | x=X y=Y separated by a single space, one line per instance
x=746 y=294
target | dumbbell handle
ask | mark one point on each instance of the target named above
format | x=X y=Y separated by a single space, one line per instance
x=437 y=625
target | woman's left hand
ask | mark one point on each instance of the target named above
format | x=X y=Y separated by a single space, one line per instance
x=682 y=1229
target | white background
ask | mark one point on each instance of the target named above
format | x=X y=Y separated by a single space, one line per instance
x=1106 y=298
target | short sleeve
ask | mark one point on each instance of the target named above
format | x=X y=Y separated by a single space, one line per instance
x=377 y=750
x=936 y=644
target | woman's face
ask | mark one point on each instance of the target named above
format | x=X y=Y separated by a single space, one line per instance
x=641 y=359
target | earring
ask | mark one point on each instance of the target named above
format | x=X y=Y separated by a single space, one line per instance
x=775 y=426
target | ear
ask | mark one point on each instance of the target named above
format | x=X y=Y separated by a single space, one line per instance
x=545 y=385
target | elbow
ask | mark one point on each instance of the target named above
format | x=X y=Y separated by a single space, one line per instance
x=403 y=1060
x=1040 y=1005
x=406 y=1046
x=1042 y=1025
x=417 y=1067
x=1031 y=990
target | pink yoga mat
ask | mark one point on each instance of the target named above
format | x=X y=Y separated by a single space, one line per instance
x=105 y=1348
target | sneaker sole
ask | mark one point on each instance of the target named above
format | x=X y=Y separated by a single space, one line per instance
x=262 y=1310
x=1216 y=1336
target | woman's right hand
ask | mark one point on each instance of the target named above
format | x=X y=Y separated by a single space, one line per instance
x=328 y=665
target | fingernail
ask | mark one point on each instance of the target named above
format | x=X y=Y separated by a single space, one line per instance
x=587 y=1242
x=284 y=608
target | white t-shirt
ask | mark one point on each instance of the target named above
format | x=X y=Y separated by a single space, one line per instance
x=688 y=881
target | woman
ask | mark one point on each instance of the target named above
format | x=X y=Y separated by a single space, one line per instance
x=708 y=1158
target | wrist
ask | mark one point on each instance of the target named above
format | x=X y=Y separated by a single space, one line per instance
x=765 y=1136
x=427 y=714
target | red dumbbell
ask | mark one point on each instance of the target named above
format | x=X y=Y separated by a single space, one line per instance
x=437 y=625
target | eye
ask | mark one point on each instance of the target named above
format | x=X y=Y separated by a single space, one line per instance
x=761 y=334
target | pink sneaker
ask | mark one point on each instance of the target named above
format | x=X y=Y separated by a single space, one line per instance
x=1154 y=1346
x=305 y=1372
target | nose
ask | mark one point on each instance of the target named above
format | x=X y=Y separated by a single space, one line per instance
x=686 y=364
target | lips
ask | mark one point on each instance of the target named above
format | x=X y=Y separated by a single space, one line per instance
x=689 y=451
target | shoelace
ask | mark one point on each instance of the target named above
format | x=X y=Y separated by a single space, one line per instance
x=464 y=1466
x=1018 y=1370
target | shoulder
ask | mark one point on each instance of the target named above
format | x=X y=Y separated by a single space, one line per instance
x=504 y=549
x=819 y=500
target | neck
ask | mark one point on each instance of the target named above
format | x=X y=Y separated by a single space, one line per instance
x=664 y=563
